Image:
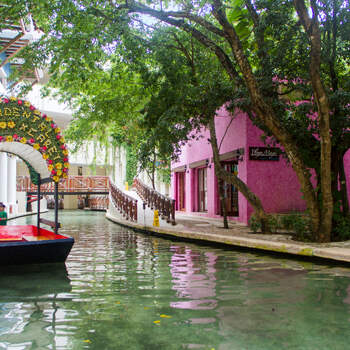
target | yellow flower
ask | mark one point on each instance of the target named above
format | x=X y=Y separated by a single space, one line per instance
x=45 y=156
x=65 y=152
x=9 y=138
x=57 y=130
x=37 y=112
x=11 y=124
x=58 y=165
x=56 y=178
x=23 y=140
x=50 y=167
x=62 y=140
x=12 y=98
x=48 y=119
x=59 y=172
x=36 y=146
x=27 y=104
x=2 y=125
x=66 y=165
x=65 y=175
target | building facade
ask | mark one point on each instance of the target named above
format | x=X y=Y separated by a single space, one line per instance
x=268 y=174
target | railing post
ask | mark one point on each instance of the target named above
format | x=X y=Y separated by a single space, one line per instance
x=56 y=207
x=173 y=222
x=156 y=200
x=38 y=201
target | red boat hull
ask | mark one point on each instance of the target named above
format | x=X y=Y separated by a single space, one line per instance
x=25 y=245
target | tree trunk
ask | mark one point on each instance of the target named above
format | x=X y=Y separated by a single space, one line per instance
x=267 y=115
x=223 y=175
x=223 y=203
x=312 y=29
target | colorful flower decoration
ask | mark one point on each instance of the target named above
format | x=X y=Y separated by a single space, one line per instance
x=21 y=122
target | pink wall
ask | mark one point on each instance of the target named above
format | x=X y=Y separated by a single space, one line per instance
x=347 y=170
x=273 y=181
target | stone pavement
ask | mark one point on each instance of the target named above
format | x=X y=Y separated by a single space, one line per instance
x=205 y=229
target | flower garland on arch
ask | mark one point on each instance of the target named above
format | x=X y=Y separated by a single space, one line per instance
x=21 y=122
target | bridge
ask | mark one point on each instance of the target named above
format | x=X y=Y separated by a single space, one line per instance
x=92 y=191
x=73 y=185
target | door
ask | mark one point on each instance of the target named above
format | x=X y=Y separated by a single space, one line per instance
x=202 y=189
x=181 y=191
x=230 y=191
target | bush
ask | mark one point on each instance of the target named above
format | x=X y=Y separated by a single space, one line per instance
x=273 y=223
x=301 y=228
x=341 y=228
x=254 y=224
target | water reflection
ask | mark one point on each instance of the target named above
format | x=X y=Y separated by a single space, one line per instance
x=126 y=290
x=193 y=278
x=28 y=304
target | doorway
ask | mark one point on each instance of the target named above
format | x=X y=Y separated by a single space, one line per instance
x=202 y=189
x=181 y=182
x=230 y=191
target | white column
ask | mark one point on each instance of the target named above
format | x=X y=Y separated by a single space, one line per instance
x=3 y=177
x=11 y=184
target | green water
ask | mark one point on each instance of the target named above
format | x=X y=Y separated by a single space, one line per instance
x=126 y=290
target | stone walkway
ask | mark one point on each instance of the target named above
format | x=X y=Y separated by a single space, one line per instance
x=211 y=230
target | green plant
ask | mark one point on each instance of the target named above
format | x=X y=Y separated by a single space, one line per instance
x=341 y=230
x=287 y=221
x=301 y=228
x=254 y=224
x=273 y=223
x=131 y=164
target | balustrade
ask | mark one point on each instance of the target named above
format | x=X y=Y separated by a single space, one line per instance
x=155 y=200
x=98 y=202
x=126 y=205
x=71 y=184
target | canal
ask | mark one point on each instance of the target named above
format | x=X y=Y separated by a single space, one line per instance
x=125 y=290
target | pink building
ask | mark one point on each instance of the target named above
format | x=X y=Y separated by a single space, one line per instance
x=195 y=186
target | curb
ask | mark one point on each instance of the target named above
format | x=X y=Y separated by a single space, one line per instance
x=334 y=254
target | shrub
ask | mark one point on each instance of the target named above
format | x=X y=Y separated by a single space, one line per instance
x=254 y=224
x=341 y=228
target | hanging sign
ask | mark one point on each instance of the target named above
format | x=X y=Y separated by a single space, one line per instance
x=264 y=153
x=21 y=122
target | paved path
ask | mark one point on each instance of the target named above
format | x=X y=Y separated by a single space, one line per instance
x=211 y=230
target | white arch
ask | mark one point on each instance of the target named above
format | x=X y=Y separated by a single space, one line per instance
x=29 y=154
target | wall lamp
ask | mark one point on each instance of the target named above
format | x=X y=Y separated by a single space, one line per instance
x=207 y=163
x=240 y=154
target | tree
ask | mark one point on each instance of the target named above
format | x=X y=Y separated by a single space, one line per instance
x=248 y=39
x=192 y=87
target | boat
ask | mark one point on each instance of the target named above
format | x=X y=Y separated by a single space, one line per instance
x=32 y=244
x=37 y=140
x=25 y=244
